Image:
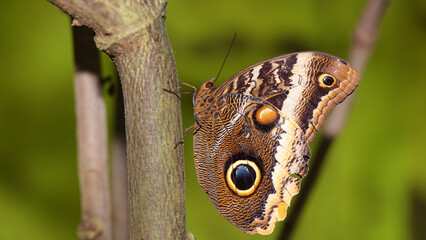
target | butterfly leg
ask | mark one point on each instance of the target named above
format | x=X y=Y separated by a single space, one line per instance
x=189 y=85
x=192 y=129
x=177 y=93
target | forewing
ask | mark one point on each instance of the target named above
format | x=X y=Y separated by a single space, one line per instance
x=293 y=84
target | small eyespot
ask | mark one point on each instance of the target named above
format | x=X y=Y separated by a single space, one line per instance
x=326 y=80
x=243 y=177
x=266 y=115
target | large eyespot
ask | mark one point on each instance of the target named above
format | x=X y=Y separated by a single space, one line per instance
x=326 y=80
x=243 y=177
x=265 y=118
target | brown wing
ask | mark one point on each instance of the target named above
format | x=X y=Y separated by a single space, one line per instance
x=293 y=83
x=251 y=148
x=231 y=142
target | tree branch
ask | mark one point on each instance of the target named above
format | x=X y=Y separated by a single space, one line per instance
x=363 y=43
x=364 y=39
x=91 y=139
x=156 y=170
x=134 y=35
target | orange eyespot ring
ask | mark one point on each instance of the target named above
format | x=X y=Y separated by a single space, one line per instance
x=326 y=80
x=266 y=115
x=243 y=177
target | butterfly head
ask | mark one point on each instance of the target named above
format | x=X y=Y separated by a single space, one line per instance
x=208 y=87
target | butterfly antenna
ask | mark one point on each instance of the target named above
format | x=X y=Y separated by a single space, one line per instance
x=227 y=54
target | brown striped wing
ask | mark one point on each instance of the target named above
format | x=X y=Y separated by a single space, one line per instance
x=232 y=135
x=251 y=168
x=290 y=83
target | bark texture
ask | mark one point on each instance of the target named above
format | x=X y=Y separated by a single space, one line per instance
x=156 y=179
x=134 y=35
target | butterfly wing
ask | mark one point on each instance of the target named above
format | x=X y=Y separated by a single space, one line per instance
x=236 y=163
x=251 y=148
x=294 y=84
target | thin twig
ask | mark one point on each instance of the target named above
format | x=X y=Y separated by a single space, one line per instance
x=363 y=43
x=91 y=139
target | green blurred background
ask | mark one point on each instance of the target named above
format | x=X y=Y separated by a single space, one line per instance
x=372 y=186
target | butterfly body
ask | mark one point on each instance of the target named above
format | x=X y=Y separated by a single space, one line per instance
x=251 y=145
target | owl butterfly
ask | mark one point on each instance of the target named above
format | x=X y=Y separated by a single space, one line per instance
x=252 y=133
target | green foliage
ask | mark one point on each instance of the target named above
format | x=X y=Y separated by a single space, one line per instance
x=372 y=185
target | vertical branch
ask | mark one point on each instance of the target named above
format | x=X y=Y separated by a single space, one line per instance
x=155 y=168
x=133 y=33
x=363 y=43
x=91 y=139
x=119 y=174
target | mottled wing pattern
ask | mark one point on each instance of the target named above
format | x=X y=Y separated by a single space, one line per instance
x=290 y=83
x=231 y=136
x=251 y=166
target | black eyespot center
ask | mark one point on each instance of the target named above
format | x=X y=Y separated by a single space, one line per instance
x=328 y=80
x=243 y=176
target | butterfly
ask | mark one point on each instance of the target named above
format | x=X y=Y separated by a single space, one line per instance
x=252 y=133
